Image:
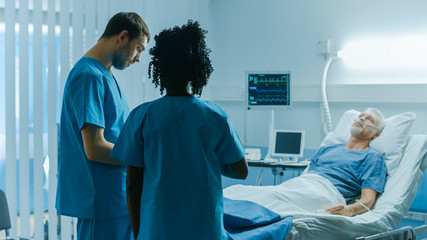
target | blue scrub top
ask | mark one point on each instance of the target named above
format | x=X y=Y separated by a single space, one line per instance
x=89 y=189
x=349 y=170
x=181 y=142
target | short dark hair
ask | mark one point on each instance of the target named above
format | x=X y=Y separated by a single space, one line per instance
x=129 y=21
x=180 y=56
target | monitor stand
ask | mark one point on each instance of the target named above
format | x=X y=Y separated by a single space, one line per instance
x=289 y=160
x=270 y=135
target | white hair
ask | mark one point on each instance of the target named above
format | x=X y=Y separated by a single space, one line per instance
x=381 y=119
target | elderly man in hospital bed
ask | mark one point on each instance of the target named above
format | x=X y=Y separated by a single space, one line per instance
x=337 y=175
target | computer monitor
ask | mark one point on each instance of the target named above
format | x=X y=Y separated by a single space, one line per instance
x=268 y=90
x=288 y=143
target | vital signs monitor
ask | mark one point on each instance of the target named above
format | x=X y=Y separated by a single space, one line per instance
x=268 y=90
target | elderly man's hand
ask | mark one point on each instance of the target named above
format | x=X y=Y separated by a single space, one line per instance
x=340 y=210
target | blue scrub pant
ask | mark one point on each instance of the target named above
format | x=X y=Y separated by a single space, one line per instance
x=100 y=229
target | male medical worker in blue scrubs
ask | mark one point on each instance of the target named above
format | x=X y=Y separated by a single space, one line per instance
x=91 y=184
x=178 y=146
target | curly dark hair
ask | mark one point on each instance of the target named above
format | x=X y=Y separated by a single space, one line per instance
x=180 y=56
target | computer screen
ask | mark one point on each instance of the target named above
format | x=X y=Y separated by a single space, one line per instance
x=268 y=90
x=288 y=143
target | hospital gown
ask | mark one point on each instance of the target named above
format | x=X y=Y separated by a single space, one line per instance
x=350 y=171
x=180 y=142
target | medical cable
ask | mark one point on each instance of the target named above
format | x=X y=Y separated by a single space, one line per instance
x=385 y=226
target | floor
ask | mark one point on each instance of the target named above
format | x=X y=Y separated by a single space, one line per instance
x=405 y=222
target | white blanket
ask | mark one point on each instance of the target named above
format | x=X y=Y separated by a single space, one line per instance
x=306 y=194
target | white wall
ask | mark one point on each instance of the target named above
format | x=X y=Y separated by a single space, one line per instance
x=248 y=35
x=283 y=35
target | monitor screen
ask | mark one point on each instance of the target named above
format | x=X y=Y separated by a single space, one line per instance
x=268 y=90
x=288 y=143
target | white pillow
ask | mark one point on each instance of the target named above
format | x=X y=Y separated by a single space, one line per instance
x=390 y=143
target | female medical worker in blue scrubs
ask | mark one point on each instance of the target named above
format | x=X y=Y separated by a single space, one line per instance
x=91 y=184
x=178 y=146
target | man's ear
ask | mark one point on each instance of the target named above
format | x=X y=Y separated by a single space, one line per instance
x=123 y=35
x=377 y=134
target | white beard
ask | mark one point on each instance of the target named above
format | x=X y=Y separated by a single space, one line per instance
x=355 y=130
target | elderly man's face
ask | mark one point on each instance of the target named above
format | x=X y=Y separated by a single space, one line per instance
x=365 y=126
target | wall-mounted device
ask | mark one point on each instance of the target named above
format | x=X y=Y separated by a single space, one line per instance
x=268 y=90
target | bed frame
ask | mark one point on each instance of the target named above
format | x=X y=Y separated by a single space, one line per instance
x=403 y=233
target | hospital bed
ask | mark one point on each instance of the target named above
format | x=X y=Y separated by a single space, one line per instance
x=389 y=209
x=406 y=161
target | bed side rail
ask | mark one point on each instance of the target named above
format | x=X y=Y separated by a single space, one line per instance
x=404 y=233
x=421 y=230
